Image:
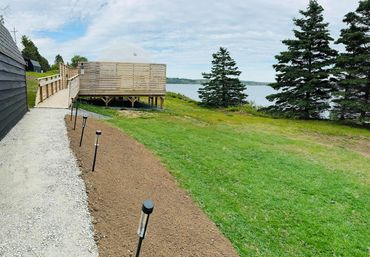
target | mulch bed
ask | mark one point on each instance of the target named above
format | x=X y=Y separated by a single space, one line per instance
x=126 y=174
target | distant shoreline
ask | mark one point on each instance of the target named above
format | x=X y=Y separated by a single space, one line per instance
x=183 y=81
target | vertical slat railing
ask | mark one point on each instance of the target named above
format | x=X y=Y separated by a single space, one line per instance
x=73 y=87
x=47 y=87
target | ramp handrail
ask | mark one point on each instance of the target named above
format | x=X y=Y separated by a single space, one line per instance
x=74 y=87
x=47 y=87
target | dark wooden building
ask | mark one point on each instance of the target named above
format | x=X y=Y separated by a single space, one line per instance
x=13 y=94
x=32 y=65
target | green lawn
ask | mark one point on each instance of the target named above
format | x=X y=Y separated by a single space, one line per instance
x=32 y=85
x=274 y=187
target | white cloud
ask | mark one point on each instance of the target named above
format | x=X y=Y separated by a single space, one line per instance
x=118 y=51
x=182 y=34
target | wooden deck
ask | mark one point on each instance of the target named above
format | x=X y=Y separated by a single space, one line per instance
x=106 y=81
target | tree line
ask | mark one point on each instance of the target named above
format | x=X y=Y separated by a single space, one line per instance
x=311 y=76
x=30 y=51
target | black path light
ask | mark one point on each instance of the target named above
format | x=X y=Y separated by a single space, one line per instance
x=72 y=103
x=98 y=133
x=84 y=120
x=74 y=126
x=146 y=210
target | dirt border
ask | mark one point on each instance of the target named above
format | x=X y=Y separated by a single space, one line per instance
x=126 y=174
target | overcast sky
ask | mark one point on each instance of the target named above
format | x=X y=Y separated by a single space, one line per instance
x=180 y=33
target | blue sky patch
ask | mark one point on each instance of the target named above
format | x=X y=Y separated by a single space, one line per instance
x=69 y=31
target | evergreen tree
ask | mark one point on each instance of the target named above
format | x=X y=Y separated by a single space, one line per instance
x=58 y=60
x=303 y=70
x=44 y=63
x=352 y=69
x=76 y=59
x=222 y=86
x=30 y=51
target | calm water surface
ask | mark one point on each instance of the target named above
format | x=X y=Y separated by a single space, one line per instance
x=256 y=94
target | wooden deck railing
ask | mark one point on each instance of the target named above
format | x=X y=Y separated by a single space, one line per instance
x=74 y=87
x=48 y=86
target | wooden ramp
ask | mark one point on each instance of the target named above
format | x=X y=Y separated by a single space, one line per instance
x=58 y=100
x=56 y=91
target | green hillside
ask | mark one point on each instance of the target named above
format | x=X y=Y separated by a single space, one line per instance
x=32 y=84
x=274 y=187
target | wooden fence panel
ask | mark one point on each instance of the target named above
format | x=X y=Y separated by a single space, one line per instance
x=73 y=87
x=114 y=78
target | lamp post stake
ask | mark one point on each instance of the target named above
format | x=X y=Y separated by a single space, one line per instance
x=98 y=133
x=83 y=128
x=146 y=210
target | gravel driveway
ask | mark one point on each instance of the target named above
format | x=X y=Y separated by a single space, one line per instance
x=43 y=203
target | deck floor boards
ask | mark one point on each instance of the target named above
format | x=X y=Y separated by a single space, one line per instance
x=58 y=100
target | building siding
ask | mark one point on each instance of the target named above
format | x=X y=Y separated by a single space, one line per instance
x=13 y=95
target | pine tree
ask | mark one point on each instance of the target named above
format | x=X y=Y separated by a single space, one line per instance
x=352 y=69
x=58 y=60
x=222 y=86
x=30 y=51
x=76 y=59
x=303 y=70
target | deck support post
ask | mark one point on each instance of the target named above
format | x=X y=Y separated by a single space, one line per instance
x=106 y=100
x=133 y=99
x=161 y=101
x=150 y=101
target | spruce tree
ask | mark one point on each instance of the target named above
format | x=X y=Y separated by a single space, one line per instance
x=76 y=59
x=352 y=69
x=30 y=51
x=58 y=59
x=222 y=86
x=303 y=70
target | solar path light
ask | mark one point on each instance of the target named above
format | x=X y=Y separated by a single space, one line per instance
x=98 y=133
x=146 y=210
x=74 y=126
x=84 y=120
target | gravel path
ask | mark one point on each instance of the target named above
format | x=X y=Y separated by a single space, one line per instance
x=94 y=115
x=43 y=203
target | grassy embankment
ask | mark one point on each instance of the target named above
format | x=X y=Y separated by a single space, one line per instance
x=274 y=187
x=32 y=84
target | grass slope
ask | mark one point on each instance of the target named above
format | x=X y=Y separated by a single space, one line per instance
x=274 y=187
x=32 y=85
